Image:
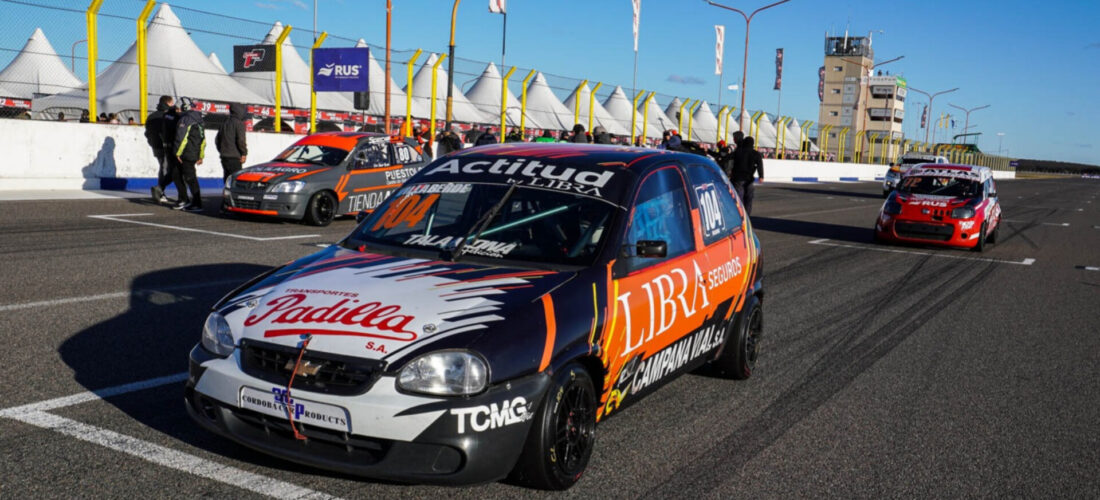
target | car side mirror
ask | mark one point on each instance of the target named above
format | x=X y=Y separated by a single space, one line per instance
x=652 y=248
x=359 y=217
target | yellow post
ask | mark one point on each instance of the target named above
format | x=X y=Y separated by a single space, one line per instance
x=729 y=116
x=592 y=103
x=874 y=137
x=718 y=133
x=680 y=116
x=634 y=116
x=897 y=149
x=279 y=78
x=523 y=104
x=823 y=142
x=435 y=77
x=407 y=126
x=143 y=73
x=691 y=115
x=802 y=138
x=577 y=102
x=93 y=53
x=645 y=114
x=779 y=136
x=313 y=93
x=843 y=149
x=857 y=155
x=756 y=126
x=504 y=100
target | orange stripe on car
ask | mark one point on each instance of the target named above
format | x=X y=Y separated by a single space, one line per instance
x=252 y=211
x=306 y=174
x=551 y=331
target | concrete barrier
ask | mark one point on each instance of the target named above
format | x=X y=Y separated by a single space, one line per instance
x=42 y=155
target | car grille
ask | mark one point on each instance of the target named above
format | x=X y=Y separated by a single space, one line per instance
x=923 y=231
x=250 y=185
x=248 y=204
x=340 y=375
x=325 y=442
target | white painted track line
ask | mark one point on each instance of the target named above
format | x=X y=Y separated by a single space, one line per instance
x=35 y=414
x=118 y=218
x=112 y=295
x=827 y=242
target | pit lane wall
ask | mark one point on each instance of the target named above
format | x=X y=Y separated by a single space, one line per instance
x=41 y=155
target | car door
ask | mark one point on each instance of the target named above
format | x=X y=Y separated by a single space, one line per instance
x=726 y=245
x=661 y=300
x=365 y=186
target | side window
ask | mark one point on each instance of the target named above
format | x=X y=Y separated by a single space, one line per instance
x=405 y=154
x=371 y=155
x=660 y=213
x=717 y=208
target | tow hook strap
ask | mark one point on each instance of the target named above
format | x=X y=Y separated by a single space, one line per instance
x=289 y=402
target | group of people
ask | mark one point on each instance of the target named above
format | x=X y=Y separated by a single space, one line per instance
x=741 y=163
x=178 y=139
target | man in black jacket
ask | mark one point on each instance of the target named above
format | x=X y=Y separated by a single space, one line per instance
x=231 y=143
x=746 y=163
x=154 y=135
x=189 y=148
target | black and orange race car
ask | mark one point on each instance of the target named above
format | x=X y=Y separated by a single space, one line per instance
x=325 y=175
x=942 y=204
x=484 y=318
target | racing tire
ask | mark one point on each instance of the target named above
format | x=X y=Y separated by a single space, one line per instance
x=321 y=209
x=738 y=359
x=562 y=435
x=992 y=238
x=980 y=245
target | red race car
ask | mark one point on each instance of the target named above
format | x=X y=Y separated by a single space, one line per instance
x=950 y=205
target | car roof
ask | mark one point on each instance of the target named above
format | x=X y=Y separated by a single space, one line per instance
x=608 y=156
x=975 y=172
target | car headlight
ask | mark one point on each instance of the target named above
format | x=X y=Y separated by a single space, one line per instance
x=445 y=373
x=891 y=207
x=288 y=187
x=216 y=335
x=229 y=182
x=962 y=213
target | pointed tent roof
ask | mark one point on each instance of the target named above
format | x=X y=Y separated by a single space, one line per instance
x=672 y=109
x=377 y=77
x=177 y=67
x=766 y=136
x=600 y=116
x=794 y=133
x=704 y=125
x=4 y=92
x=544 y=106
x=217 y=62
x=37 y=70
x=621 y=109
x=485 y=95
x=461 y=108
x=658 y=122
x=295 y=93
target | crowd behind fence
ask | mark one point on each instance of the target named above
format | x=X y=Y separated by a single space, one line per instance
x=65 y=26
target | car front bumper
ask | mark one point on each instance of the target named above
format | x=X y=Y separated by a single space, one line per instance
x=954 y=233
x=391 y=435
x=283 y=205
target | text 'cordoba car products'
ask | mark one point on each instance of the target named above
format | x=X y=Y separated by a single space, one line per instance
x=481 y=321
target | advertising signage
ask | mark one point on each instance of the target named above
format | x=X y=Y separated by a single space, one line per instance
x=341 y=69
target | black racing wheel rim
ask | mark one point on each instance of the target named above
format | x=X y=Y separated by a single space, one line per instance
x=326 y=208
x=575 y=428
x=752 y=336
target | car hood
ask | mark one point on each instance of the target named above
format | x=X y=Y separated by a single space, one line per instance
x=377 y=306
x=932 y=201
x=276 y=171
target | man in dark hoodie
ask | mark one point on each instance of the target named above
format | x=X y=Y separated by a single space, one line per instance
x=231 y=142
x=154 y=135
x=746 y=163
x=600 y=135
x=578 y=134
x=449 y=142
x=189 y=148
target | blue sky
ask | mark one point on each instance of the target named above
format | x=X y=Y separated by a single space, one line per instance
x=1036 y=64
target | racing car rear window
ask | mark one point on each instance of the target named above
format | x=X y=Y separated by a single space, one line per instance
x=940 y=186
x=313 y=154
x=533 y=225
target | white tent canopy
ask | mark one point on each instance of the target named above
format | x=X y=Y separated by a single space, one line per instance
x=704 y=126
x=37 y=70
x=766 y=136
x=658 y=122
x=4 y=92
x=600 y=116
x=672 y=109
x=176 y=67
x=544 y=106
x=217 y=62
x=794 y=133
x=622 y=110
x=377 y=82
x=295 y=92
x=485 y=95
x=461 y=108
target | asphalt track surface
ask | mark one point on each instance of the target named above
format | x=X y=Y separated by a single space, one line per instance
x=885 y=371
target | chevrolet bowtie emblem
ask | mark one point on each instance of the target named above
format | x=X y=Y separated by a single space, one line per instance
x=305 y=368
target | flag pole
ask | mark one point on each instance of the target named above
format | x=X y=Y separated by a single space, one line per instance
x=503 y=81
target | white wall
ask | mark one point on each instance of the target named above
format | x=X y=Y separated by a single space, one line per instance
x=67 y=155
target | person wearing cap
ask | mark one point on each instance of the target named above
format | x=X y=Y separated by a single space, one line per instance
x=723 y=156
x=189 y=148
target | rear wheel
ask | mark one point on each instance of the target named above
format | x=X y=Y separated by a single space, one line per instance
x=738 y=359
x=563 y=433
x=321 y=209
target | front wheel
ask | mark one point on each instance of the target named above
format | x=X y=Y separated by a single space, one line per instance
x=980 y=245
x=321 y=209
x=992 y=238
x=738 y=359
x=563 y=434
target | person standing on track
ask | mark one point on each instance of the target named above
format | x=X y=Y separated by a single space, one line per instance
x=154 y=135
x=190 y=146
x=231 y=142
x=746 y=163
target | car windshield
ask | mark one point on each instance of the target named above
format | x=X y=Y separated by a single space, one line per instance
x=528 y=224
x=939 y=185
x=908 y=162
x=313 y=154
